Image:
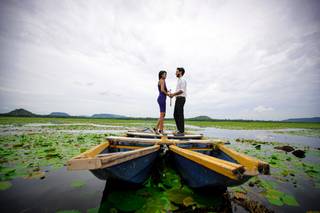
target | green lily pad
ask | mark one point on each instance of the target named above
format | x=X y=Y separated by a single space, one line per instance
x=7 y=171
x=157 y=202
x=4 y=185
x=177 y=195
x=238 y=189
x=78 y=183
x=266 y=184
x=126 y=200
x=188 y=201
x=83 y=149
x=170 y=179
x=202 y=200
x=93 y=210
x=275 y=200
x=290 y=200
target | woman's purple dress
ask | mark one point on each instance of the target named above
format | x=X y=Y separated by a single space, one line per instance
x=162 y=98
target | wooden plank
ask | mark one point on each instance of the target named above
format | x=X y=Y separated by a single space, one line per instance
x=223 y=167
x=161 y=141
x=126 y=156
x=251 y=164
x=145 y=134
x=107 y=154
x=109 y=159
x=93 y=151
x=126 y=147
x=199 y=149
x=83 y=164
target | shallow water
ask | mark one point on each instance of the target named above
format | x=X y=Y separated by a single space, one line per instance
x=262 y=135
x=55 y=192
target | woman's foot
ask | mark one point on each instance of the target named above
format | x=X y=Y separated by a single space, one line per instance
x=156 y=131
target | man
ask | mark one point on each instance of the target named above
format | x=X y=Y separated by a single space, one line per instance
x=180 y=94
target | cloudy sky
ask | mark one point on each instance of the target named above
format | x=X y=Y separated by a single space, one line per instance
x=243 y=59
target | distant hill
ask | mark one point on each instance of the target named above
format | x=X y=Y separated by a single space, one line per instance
x=59 y=114
x=201 y=118
x=25 y=113
x=20 y=112
x=107 y=116
x=313 y=119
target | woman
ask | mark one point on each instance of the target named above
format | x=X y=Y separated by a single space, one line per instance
x=163 y=93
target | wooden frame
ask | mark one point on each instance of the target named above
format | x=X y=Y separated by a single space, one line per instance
x=252 y=165
x=163 y=140
x=91 y=159
x=226 y=168
x=147 y=134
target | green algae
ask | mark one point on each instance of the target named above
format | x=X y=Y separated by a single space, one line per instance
x=4 y=185
x=157 y=197
x=22 y=155
x=126 y=200
x=78 y=183
x=303 y=132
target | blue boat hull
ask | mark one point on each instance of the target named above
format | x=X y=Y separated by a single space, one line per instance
x=198 y=176
x=134 y=171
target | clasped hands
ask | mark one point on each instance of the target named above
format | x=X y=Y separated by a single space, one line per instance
x=171 y=95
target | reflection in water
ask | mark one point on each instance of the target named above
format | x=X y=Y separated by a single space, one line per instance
x=119 y=197
x=163 y=191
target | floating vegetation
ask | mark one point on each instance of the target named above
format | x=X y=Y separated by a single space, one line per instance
x=33 y=155
x=150 y=122
x=166 y=193
x=276 y=197
x=126 y=200
x=4 y=185
x=78 y=183
x=29 y=155
x=286 y=167
x=302 y=132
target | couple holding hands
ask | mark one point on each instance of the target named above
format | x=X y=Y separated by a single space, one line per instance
x=179 y=94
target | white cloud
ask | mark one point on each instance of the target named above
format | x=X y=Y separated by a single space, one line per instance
x=261 y=108
x=86 y=57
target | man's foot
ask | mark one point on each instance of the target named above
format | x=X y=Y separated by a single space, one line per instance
x=179 y=134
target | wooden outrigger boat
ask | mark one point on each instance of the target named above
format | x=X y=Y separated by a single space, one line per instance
x=201 y=163
x=170 y=135
x=214 y=165
x=111 y=160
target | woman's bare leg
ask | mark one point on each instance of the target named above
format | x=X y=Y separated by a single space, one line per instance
x=158 y=124
x=162 y=115
x=156 y=129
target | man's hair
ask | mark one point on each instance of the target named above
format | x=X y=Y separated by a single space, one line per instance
x=161 y=73
x=180 y=69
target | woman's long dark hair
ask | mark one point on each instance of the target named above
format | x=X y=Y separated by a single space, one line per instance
x=161 y=73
